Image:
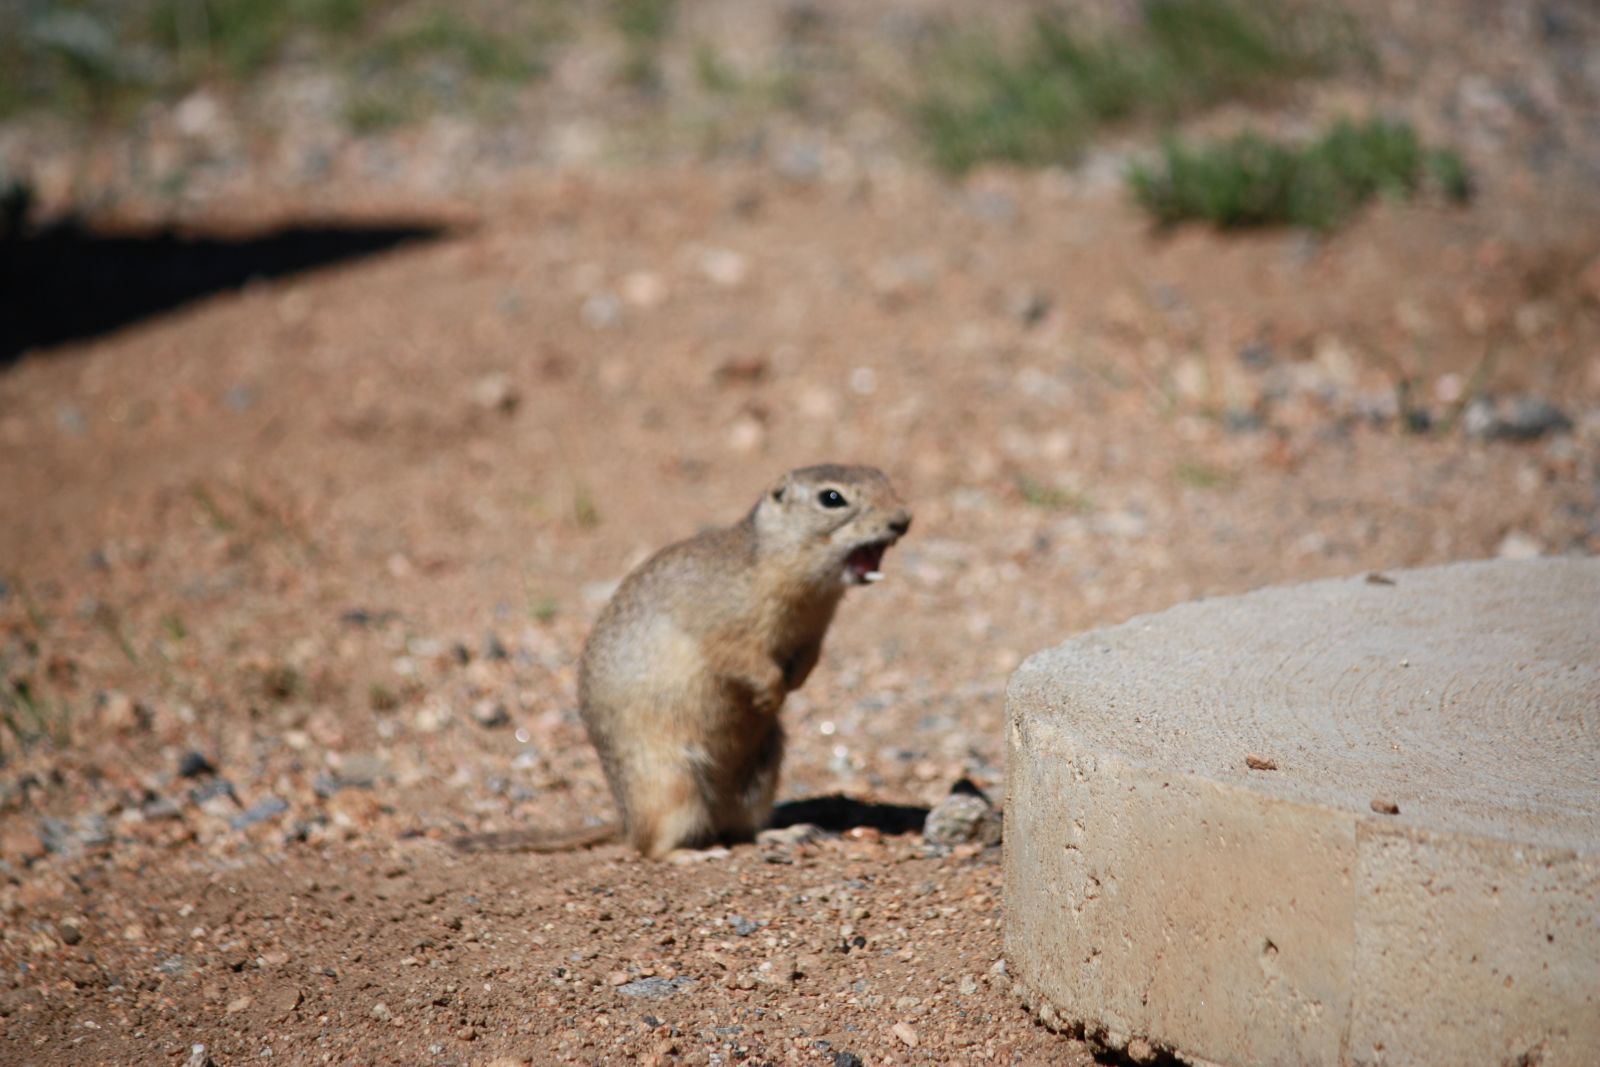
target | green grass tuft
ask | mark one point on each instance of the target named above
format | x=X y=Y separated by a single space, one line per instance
x=1251 y=180
x=1200 y=475
x=370 y=110
x=1051 y=497
x=643 y=26
x=584 y=511
x=442 y=60
x=238 y=38
x=30 y=716
x=1040 y=101
x=101 y=58
x=442 y=35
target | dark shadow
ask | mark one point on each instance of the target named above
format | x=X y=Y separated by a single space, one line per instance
x=1155 y=1058
x=837 y=813
x=68 y=281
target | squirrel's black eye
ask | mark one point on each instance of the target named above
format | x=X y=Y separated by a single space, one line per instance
x=831 y=498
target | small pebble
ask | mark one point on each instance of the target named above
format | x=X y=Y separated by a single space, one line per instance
x=602 y=311
x=71 y=420
x=159 y=807
x=490 y=714
x=1140 y=1050
x=644 y=289
x=802 y=833
x=724 y=267
x=262 y=810
x=194 y=764
x=1518 y=544
x=799 y=162
x=1028 y=305
x=239 y=397
x=496 y=392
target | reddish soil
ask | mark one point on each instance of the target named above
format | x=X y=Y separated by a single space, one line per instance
x=320 y=530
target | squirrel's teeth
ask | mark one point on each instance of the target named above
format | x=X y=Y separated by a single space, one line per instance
x=872 y=576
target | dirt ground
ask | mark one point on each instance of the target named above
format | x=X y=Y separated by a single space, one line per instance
x=297 y=577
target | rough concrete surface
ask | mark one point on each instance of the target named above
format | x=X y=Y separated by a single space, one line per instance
x=1350 y=822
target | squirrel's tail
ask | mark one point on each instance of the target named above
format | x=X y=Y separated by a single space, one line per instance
x=538 y=840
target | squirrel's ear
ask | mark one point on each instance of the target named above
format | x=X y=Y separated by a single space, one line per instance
x=781 y=492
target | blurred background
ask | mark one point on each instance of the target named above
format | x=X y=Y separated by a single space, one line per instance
x=351 y=350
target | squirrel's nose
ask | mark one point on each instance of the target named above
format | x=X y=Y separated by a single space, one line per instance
x=900 y=524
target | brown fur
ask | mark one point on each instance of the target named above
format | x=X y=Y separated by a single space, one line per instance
x=688 y=666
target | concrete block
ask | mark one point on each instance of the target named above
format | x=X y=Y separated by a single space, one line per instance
x=1350 y=822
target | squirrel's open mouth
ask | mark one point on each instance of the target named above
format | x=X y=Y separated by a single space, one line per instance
x=863 y=564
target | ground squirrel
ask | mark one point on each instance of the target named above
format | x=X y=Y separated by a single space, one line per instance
x=687 y=667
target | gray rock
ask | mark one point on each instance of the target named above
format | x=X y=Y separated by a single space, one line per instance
x=1257 y=355
x=1528 y=417
x=1243 y=420
x=1478 y=420
x=1525 y=417
x=654 y=988
x=212 y=790
x=240 y=397
x=803 y=833
x=362 y=770
x=56 y=834
x=365 y=617
x=159 y=807
x=260 y=811
x=964 y=817
x=71 y=419
x=194 y=764
x=799 y=162
x=92 y=831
